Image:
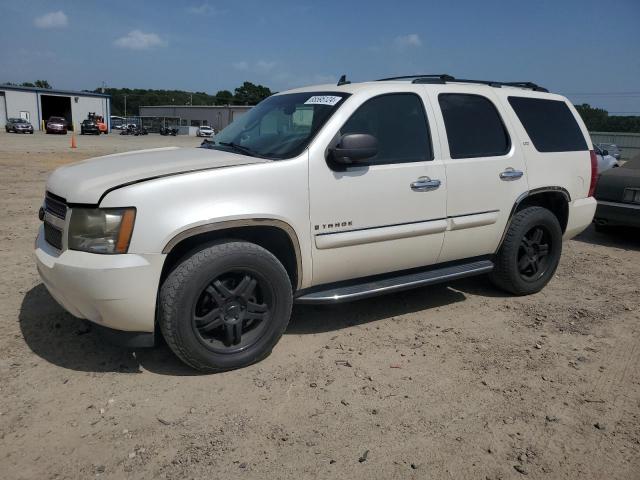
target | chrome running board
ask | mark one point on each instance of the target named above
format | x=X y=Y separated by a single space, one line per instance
x=365 y=289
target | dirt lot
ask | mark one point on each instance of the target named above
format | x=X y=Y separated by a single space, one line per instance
x=456 y=381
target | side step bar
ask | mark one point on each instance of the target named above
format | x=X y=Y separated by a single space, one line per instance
x=357 y=291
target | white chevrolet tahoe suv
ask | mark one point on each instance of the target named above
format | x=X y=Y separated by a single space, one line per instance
x=317 y=195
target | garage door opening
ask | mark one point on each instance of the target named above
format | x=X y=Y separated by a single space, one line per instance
x=56 y=106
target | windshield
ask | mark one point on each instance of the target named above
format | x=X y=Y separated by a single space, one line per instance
x=56 y=119
x=279 y=127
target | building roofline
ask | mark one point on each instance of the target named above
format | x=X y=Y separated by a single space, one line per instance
x=54 y=91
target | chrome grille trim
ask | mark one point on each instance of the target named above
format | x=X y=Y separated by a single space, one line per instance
x=55 y=206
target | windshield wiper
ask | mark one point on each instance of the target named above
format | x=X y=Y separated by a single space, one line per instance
x=241 y=149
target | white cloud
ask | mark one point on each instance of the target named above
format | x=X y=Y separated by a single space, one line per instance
x=259 y=66
x=137 y=40
x=265 y=65
x=241 y=65
x=52 y=20
x=405 y=41
x=203 y=9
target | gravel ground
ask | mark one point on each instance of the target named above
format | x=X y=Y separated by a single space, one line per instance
x=455 y=381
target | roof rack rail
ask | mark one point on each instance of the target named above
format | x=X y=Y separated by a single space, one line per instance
x=435 y=76
x=444 y=78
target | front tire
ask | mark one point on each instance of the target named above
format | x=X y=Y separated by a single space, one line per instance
x=225 y=306
x=530 y=252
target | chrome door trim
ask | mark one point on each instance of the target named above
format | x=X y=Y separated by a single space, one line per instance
x=511 y=174
x=379 y=234
x=425 y=184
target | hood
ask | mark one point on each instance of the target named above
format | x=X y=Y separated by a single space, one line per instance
x=87 y=181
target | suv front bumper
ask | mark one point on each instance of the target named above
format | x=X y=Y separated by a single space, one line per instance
x=114 y=291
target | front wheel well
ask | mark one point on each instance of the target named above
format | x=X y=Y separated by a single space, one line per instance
x=554 y=201
x=273 y=239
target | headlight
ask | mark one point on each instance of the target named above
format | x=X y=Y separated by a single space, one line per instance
x=101 y=230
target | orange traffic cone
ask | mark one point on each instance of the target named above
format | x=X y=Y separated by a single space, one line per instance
x=73 y=141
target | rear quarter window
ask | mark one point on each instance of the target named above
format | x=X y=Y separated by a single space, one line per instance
x=550 y=124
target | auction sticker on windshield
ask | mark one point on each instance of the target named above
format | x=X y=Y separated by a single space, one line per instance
x=323 y=100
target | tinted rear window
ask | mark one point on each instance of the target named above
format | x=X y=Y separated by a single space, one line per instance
x=474 y=127
x=550 y=124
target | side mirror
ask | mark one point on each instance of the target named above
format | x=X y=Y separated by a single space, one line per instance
x=354 y=148
x=605 y=152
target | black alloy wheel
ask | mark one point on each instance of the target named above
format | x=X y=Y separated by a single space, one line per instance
x=533 y=254
x=232 y=311
x=225 y=305
x=530 y=252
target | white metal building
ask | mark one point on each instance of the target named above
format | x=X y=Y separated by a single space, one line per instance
x=37 y=105
x=216 y=116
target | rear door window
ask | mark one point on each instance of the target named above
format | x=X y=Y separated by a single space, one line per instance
x=550 y=124
x=474 y=127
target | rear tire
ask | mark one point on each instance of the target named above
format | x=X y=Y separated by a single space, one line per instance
x=530 y=252
x=225 y=306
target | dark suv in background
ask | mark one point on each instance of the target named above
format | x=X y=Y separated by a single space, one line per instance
x=18 y=125
x=89 y=127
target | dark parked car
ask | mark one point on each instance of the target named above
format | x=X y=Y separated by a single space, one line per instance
x=618 y=195
x=57 y=125
x=18 y=125
x=89 y=127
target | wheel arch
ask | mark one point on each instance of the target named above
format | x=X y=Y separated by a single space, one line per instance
x=553 y=198
x=276 y=236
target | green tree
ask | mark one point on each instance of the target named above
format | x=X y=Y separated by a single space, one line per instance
x=42 y=84
x=596 y=119
x=250 y=94
x=224 y=97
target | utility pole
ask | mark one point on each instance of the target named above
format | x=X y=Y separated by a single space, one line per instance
x=125 y=108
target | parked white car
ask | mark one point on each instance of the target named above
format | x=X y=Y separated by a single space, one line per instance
x=611 y=148
x=318 y=195
x=205 y=131
x=605 y=161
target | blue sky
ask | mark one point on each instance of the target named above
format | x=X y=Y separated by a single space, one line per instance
x=572 y=46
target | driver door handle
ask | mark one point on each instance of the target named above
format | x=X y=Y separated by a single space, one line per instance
x=425 y=184
x=511 y=174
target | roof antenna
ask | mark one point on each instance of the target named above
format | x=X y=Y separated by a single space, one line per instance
x=343 y=81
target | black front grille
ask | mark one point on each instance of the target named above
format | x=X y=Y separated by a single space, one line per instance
x=55 y=206
x=53 y=236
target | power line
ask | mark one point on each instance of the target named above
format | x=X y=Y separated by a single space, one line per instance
x=604 y=94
